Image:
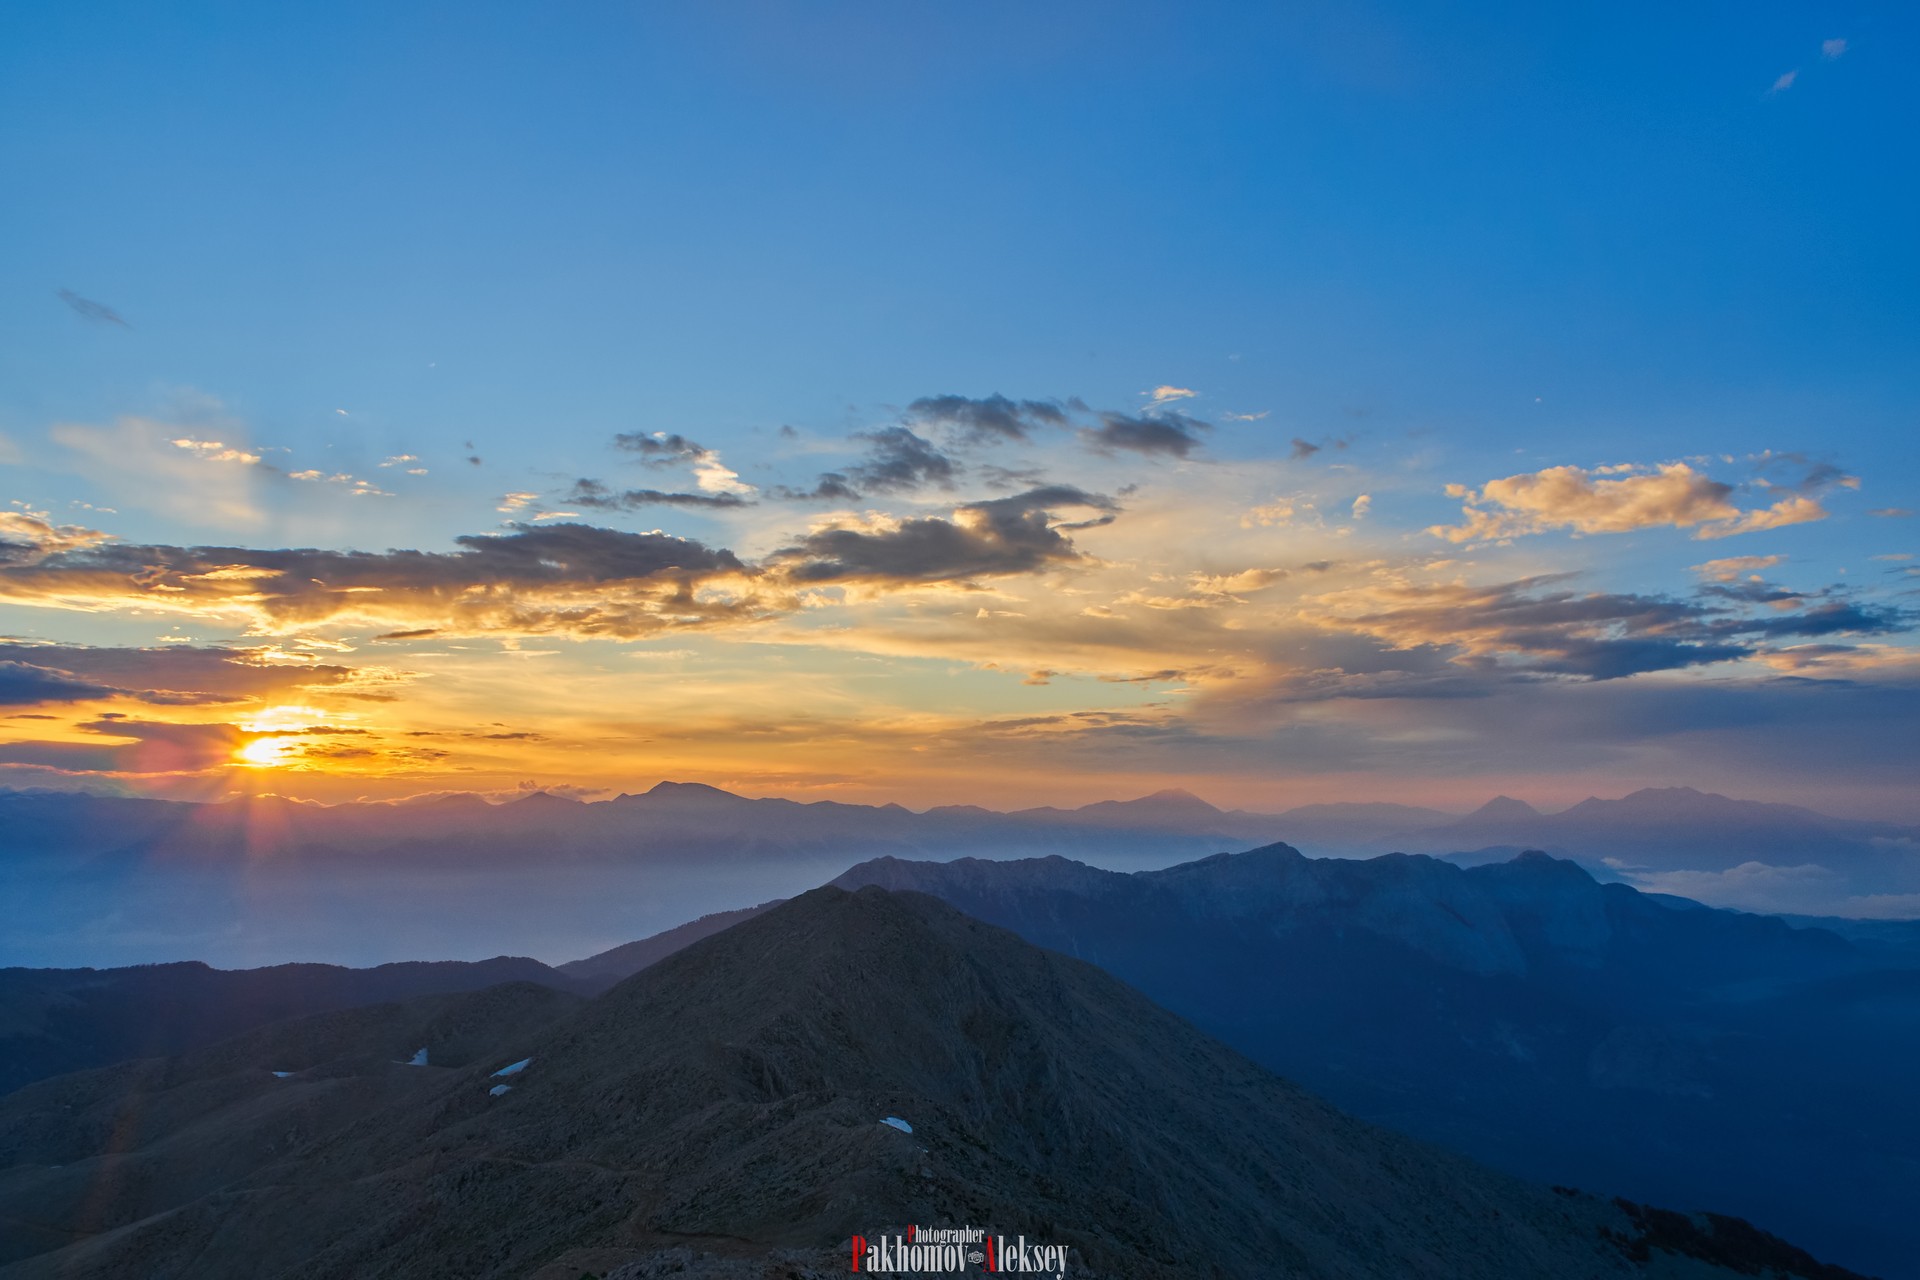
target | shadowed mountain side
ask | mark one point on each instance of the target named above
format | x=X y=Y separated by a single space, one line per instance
x=59 y=1020
x=96 y=1151
x=598 y=972
x=731 y=1094
x=1562 y=1029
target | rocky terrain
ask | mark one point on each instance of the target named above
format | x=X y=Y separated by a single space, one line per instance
x=1559 y=1028
x=727 y=1103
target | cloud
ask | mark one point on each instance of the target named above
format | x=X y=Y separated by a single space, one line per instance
x=993 y=418
x=367 y=489
x=24 y=685
x=1168 y=433
x=1831 y=49
x=1245 y=417
x=661 y=448
x=101 y=313
x=1891 y=513
x=1614 y=500
x=665 y=449
x=1302 y=449
x=1535 y=627
x=1733 y=567
x=833 y=486
x=26 y=535
x=1019 y=534
x=1785 y=81
x=1280 y=512
x=568 y=578
x=150 y=464
x=899 y=461
x=591 y=493
x=134 y=746
x=1165 y=394
x=1362 y=505
x=1526 y=627
x=176 y=675
x=217 y=451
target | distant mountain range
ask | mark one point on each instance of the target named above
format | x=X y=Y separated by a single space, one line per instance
x=104 y=880
x=1521 y=1012
x=838 y=1066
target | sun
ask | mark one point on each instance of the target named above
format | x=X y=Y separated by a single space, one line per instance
x=266 y=753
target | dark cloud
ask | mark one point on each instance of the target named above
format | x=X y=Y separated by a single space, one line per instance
x=1001 y=536
x=172 y=675
x=591 y=493
x=898 y=461
x=662 y=449
x=832 y=486
x=1799 y=473
x=23 y=685
x=1302 y=449
x=556 y=577
x=1532 y=627
x=1835 y=617
x=993 y=418
x=88 y=309
x=1167 y=433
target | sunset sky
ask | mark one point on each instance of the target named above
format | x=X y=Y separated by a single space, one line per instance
x=999 y=404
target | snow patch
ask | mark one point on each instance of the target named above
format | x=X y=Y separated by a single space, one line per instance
x=498 y=1089
x=516 y=1068
x=281 y=1075
x=419 y=1059
x=898 y=1123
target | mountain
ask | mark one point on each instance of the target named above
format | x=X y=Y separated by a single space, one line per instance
x=59 y=1020
x=98 y=880
x=598 y=972
x=839 y=1066
x=1562 y=1029
x=1666 y=828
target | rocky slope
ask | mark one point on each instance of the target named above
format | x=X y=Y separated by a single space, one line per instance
x=1520 y=1012
x=730 y=1098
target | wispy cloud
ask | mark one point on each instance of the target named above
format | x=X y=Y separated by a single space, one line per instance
x=1832 y=49
x=1168 y=394
x=89 y=310
x=1785 y=81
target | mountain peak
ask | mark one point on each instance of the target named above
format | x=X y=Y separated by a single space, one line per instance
x=1505 y=808
x=669 y=790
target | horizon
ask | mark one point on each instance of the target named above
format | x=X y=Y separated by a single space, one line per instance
x=604 y=796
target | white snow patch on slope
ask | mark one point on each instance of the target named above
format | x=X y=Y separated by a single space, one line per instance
x=898 y=1123
x=514 y=1069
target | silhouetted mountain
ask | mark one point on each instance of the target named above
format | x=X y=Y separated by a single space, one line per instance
x=598 y=972
x=734 y=1094
x=241 y=880
x=59 y=1020
x=1563 y=1029
x=1677 y=827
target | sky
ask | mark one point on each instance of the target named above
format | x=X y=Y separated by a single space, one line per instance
x=999 y=404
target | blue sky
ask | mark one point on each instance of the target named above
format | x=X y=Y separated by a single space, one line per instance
x=1437 y=245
